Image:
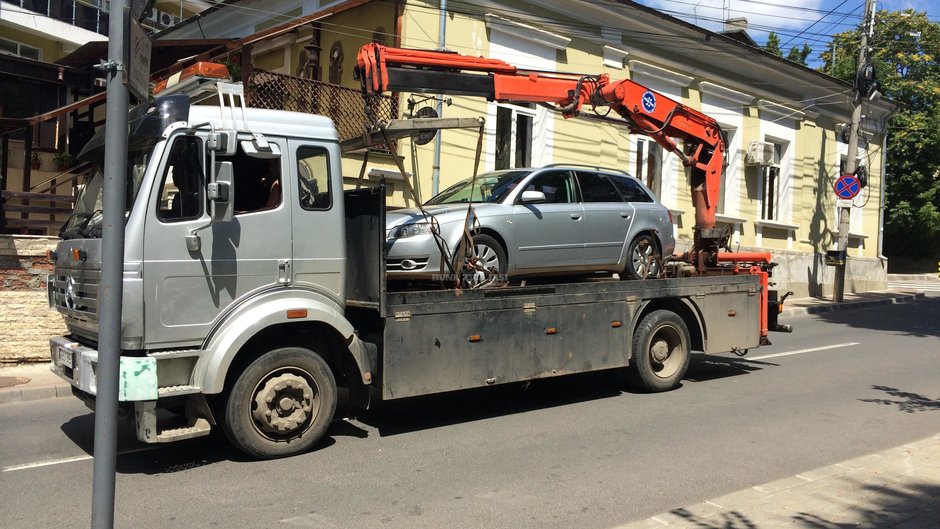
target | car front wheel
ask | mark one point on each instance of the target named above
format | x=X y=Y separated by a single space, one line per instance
x=490 y=266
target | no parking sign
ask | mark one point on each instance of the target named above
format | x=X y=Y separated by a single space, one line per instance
x=847 y=187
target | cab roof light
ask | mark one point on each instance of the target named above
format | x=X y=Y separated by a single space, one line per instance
x=201 y=71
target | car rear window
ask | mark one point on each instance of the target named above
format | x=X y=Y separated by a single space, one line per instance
x=596 y=188
x=631 y=190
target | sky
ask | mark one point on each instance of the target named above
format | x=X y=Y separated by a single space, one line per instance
x=794 y=21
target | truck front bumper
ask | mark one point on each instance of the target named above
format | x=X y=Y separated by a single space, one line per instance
x=78 y=365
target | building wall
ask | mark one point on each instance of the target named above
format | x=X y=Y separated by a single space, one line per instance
x=26 y=323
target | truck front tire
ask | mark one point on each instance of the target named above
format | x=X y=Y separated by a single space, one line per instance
x=281 y=404
x=660 y=351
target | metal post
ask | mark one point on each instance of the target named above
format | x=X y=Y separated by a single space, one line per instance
x=436 y=167
x=838 y=287
x=112 y=270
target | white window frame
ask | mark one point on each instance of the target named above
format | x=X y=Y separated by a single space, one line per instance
x=19 y=49
x=516 y=111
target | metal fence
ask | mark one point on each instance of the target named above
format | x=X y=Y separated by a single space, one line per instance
x=345 y=106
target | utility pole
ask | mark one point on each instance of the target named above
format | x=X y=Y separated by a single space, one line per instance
x=838 y=287
x=110 y=292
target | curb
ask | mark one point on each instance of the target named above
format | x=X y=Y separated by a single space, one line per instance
x=856 y=304
x=39 y=392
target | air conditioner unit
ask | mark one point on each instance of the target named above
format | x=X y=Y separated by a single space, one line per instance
x=152 y=17
x=760 y=153
x=167 y=20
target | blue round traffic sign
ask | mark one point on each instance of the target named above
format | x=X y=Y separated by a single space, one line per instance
x=847 y=187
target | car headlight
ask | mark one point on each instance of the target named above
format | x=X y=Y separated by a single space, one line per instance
x=410 y=230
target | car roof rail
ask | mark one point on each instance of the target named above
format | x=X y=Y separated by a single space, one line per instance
x=588 y=166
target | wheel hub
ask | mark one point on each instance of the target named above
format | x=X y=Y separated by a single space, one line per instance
x=283 y=403
x=660 y=351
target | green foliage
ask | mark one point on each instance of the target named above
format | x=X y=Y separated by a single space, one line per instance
x=904 y=52
x=800 y=54
x=773 y=44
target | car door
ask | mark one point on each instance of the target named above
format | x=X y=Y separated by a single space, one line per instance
x=549 y=234
x=607 y=219
x=648 y=215
x=185 y=290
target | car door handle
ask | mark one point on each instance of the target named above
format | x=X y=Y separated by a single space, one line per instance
x=625 y=215
x=575 y=216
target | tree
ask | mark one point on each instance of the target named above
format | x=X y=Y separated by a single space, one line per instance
x=905 y=48
x=773 y=44
x=800 y=55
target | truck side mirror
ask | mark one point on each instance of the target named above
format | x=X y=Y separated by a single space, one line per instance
x=221 y=192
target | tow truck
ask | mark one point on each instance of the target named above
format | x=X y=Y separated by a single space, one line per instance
x=254 y=292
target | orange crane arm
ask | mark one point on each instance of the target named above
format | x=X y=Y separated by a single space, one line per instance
x=382 y=69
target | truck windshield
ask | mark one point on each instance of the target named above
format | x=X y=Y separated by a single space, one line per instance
x=86 y=220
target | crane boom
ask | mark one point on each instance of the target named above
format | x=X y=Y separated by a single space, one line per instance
x=383 y=68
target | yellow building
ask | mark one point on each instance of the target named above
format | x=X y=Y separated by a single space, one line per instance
x=783 y=123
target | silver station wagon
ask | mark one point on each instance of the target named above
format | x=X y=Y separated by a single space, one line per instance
x=555 y=220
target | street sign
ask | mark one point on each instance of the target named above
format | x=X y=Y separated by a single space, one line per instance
x=847 y=187
x=137 y=61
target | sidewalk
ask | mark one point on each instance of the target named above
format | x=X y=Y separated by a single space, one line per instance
x=897 y=488
x=26 y=382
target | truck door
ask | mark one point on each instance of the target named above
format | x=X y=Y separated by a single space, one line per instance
x=186 y=290
x=316 y=204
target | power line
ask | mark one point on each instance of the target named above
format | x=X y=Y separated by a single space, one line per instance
x=784 y=45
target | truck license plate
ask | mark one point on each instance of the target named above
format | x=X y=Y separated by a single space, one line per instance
x=65 y=357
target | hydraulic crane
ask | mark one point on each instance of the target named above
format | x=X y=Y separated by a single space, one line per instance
x=383 y=69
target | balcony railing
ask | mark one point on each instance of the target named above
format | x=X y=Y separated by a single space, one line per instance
x=344 y=106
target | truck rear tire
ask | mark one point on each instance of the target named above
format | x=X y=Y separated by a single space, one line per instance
x=281 y=404
x=660 y=351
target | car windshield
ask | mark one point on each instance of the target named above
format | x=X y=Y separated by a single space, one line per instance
x=87 y=218
x=489 y=187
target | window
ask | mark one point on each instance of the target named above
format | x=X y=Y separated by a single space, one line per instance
x=649 y=164
x=557 y=186
x=770 y=186
x=181 y=196
x=596 y=188
x=313 y=173
x=727 y=135
x=257 y=181
x=514 y=135
x=10 y=47
x=630 y=189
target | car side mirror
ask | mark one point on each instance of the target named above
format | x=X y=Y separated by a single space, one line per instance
x=532 y=197
x=221 y=192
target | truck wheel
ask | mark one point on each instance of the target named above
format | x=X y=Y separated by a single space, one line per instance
x=281 y=404
x=660 y=351
x=642 y=261
x=490 y=255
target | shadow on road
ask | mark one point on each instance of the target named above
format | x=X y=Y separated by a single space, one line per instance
x=707 y=367
x=904 y=400
x=884 y=505
x=917 y=318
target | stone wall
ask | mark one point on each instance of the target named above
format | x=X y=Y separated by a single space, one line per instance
x=26 y=323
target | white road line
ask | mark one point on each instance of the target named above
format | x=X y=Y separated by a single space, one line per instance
x=801 y=351
x=84 y=457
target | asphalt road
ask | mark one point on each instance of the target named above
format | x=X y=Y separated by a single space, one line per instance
x=573 y=452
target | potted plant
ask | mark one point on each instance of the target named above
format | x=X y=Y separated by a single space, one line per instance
x=35 y=161
x=63 y=160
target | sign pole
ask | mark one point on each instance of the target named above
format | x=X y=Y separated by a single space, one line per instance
x=838 y=287
x=110 y=292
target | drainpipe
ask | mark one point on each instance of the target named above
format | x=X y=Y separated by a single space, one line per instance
x=436 y=168
x=884 y=179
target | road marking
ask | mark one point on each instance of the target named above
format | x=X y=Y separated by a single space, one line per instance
x=84 y=457
x=801 y=351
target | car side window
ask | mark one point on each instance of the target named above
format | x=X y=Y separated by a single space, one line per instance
x=313 y=174
x=630 y=189
x=557 y=187
x=597 y=188
x=181 y=195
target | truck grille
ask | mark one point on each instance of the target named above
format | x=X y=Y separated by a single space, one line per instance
x=75 y=293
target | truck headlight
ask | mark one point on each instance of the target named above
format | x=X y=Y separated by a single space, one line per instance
x=410 y=230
